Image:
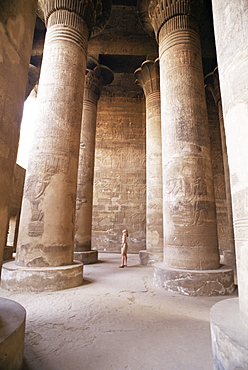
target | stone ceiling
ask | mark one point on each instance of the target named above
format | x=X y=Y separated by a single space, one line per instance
x=123 y=45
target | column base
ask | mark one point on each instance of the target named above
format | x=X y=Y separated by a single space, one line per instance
x=40 y=279
x=229 y=336
x=148 y=258
x=194 y=282
x=12 y=333
x=86 y=257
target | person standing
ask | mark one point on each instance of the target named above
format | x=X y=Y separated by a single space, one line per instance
x=124 y=248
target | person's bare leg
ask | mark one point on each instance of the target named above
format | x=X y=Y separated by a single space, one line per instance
x=122 y=261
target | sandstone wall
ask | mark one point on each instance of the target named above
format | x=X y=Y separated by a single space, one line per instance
x=120 y=172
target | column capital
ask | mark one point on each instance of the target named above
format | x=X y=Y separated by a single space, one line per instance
x=95 y=14
x=95 y=79
x=213 y=83
x=147 y=76
x=160 y=12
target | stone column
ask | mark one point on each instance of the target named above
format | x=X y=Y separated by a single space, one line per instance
x=44 y=259
x=190 y=233
x=148 y=78
x=94 y=81
x=229 y=318
x=17 y=20
x=212 y=82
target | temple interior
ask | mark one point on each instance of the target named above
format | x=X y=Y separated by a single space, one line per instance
x=139 y=151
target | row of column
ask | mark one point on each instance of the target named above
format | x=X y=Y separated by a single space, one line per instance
x=190 y=238
x=45 y=250
x=180 y=189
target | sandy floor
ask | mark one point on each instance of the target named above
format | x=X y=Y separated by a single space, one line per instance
x=117 y=320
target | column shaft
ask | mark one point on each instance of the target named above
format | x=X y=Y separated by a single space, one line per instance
x=17 y=20
x=147 y=76
x=212 y=82
x=154 y=213
x=232 y=54
x=83 y=227
x=47 y=218
x=231 y=245
x=190 y=234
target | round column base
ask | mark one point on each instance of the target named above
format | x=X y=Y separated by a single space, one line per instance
x=194 y=282
x=148 y=258
x=41 y=279
x=86 y=257
x=229 y=336
x=12 y=333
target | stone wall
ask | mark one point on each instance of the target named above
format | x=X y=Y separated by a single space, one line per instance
x=120 y=172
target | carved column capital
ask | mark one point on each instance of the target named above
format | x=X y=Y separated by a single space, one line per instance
x=185 y=11
x=94 y=13
x=147 y=76
x=213 y=83
x=95 y=79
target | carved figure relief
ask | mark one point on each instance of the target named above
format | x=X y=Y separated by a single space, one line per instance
x=187 y=201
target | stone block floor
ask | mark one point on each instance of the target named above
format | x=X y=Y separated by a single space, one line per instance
x=116 y=320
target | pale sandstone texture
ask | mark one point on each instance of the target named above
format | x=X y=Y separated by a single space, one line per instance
x=120 y=167
x=94 y=81
x=147 y=76
x=17 y=20
x=46 y=237
x=12 y=332
x=232 y=50
x=221 y=178
x=190 y=234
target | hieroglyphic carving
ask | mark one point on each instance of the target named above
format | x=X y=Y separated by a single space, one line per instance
x=187 y=199
x=119 y=181
x=36 y=186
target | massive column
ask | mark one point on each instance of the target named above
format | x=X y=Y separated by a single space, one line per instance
x=44 y=259
x=17 y=20
x=229 y=318
x=94 y=81
x=191 y=256
x=212 y=82
x=148 y=78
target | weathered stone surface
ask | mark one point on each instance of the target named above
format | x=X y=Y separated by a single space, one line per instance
x=48 y=208
x=17 y=19
x=232 y=50
x=190 y=233
x=229 y=336
x=12 y=331
x=123 y=36
x=86 y=257
x=194 y=282
x=148 y=258
x=147 y=76
x=120 y=167
x=15 y=208
x=7 y=254
x=94 y=81
x=221 y=178
x=218 y=174
x=40 y=279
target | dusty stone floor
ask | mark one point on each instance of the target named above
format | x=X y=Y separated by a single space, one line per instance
x=116 y=320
